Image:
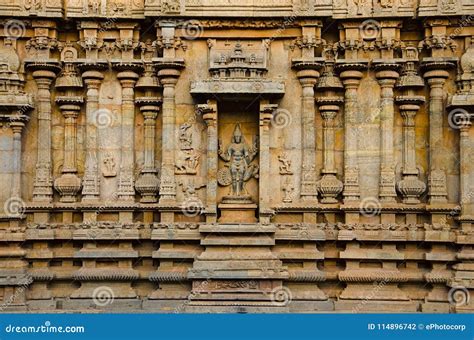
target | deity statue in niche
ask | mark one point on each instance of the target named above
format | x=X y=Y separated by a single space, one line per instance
x=239 y=156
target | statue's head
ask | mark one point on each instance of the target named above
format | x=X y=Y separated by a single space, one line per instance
x=237 y=136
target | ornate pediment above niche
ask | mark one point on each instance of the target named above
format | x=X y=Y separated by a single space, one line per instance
x=31 y=8
x=238 y=67
x=132 y=9
x=241 y=8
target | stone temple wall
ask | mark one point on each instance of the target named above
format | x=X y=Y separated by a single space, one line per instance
x=237 y=156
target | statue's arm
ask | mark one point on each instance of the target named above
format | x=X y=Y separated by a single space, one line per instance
x=224 y=155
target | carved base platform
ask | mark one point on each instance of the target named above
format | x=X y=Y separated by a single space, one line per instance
x=237 y=209
x=111 y=306
x=365 y=306
x=236 y=266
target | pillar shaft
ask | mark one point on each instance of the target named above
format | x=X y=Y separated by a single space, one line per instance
x=126 y=189
x=43 y=184
x=91 y=179
x=209 y=112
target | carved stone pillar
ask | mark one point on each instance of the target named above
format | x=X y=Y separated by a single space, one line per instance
x=91 y=179
x=266 y=114
x=308 y=75
x=69 y=184
x=351 y=74
x=466 y=171
x=410 y=186
x=43 y=183
x=126 y=189
x=168 y=78
x=436 y=74
x=209 y=114
x=329 y=185
x=17 y=127
x=386 y=74
x=148 y=184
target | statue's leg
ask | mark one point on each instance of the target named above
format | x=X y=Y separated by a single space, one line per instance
x=233 y=175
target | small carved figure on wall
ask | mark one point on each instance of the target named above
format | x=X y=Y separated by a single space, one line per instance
x=108 y=166
x=190 y=188
x=285 y=166
x=239 y=156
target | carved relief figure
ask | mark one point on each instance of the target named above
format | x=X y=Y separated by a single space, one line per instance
x=36 y=5
x=285 y=166
x=187 y=162
x=187 y=159
x=190 y=188
x=239 y=156
x=108 y=166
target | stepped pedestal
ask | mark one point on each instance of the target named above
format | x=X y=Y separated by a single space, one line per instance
x=238 y=268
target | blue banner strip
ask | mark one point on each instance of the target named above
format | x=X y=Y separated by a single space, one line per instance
x=237 y=326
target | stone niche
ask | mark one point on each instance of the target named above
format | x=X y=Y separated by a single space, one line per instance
x=235 y=116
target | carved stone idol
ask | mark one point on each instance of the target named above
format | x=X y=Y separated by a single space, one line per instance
x=239 y=168
x=108 y=166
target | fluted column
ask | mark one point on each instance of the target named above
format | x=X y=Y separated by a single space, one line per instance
x=169 y=78
x=91 y=179
x=43 y=183
x=309 y=191
x=126 y=190
x=351 y=75
x=387 y=75
x=436 y=76
x=209 y=114
x=266 y=113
